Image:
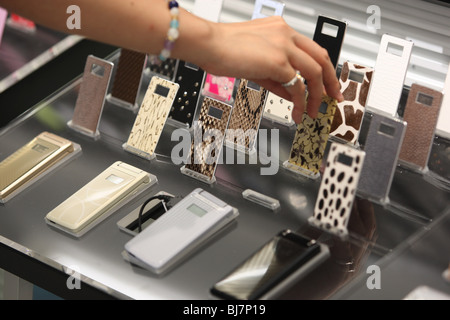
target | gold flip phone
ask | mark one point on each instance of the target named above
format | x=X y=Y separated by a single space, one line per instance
x=30 y=161
x=113 y=186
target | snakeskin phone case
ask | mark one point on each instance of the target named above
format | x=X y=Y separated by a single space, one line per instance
x=338 y=188
x=190 y=78
x=151 y=117
x=329 y=34
x=311 y=139
x=355 y=83
x=128 y=77
x=246 y=116
x=209 y=133
x=165 y=69
x=91 y=97
x=421 y=114
x=382 y=147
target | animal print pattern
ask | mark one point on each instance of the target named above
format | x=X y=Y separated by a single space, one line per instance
x=338 y=188
x=246 y=116
x=198 y=163
x=349 y=113
x=151 y=118
x=311 y=138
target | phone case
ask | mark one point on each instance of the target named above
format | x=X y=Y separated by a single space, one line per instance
x=111 y=188
x=246 y=116
x=151 y=117
x=214 y=118
x=3 y=17
x=443 y=125
x=329 y=34
x=91 y=97
x=355 y=82
x=382 y=146
x=421 y=115
x=219 y=88
x=128 y=77
x=390 y=71
x=311 y=139
x=31 y=161
x=165 y=69
x=278 y=109
x=338 y=188
x=190 y=78
x=267 y=8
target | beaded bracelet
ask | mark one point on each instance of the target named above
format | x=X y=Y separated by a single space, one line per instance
x=172 y=34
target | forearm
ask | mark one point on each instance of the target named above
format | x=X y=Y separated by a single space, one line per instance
x=140 y=25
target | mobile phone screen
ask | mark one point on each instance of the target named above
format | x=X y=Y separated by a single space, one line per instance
x=272 y=263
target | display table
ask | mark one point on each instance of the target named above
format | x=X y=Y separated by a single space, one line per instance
x=34 y=251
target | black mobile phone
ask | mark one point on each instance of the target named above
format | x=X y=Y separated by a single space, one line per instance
x=272 y=269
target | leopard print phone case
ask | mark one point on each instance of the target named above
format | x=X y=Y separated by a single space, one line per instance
x=310 y=141
x=338 y=188
x=209 y=133
x=151 y=117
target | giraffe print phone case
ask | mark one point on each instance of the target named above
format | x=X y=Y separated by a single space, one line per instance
x=310 y=141
x=151 y=118
x=209 y=133
x=338 y=188
x=246 y=116
x=355 y=83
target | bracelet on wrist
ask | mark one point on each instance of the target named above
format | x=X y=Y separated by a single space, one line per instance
x=172 y=34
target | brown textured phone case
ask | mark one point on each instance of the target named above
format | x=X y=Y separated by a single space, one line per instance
x=205 y=123
x=91 y=96
x=421 y=114
x=127 y=80
x=151 y=117
x=246 y=116
x=349 y=113
x=311 y=138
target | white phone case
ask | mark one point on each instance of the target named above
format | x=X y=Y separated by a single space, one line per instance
x=389 y=76
x=443 y=125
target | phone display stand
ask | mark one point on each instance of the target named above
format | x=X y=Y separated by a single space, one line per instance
x=261 y=199
x=76 y=151
x=198 y=176
x=138 y=152
x=91 y=97
x=128 y=79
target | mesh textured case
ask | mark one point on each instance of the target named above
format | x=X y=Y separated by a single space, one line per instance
x=190 y=78
x=201 y=146
x=338 y=188
x=91 y=97
x=246 y=116
x=128 y=77
x=151 y=117
x=382 y=147
x=311 y=139
x=350 y=112
x=421 y=115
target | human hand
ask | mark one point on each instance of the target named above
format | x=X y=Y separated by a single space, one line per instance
x=269 y=52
